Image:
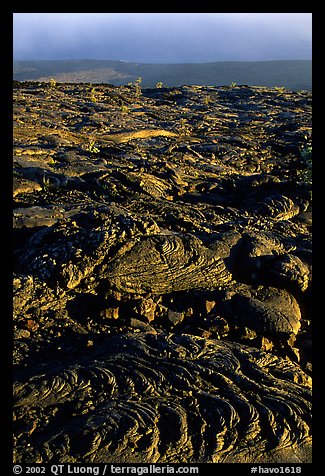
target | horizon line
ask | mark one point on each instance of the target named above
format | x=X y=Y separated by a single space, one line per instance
x=169 y=63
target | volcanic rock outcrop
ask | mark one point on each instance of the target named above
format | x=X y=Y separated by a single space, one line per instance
x=163 y=398
x=162 y=274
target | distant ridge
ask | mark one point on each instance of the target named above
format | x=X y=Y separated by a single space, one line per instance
x=291 y=74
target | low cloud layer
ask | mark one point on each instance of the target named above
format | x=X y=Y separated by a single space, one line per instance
x=163 y=37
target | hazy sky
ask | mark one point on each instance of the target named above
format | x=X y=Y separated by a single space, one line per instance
x=163 y=37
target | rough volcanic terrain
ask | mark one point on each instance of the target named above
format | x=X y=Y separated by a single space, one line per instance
x=162 y=274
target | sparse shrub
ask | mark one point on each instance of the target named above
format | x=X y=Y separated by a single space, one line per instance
x=113 y=190
x=233 y=84
x=90 y=147
x=124 y=109
x=306 y=173
x=184 y=128
x=137 y=87
x=92 y=95
x=45 y=182
x=207 y=99
x=159 y=85
x=52 y=83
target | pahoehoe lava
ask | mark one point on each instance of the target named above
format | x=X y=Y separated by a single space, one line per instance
x=162 y=274
x=162 y=398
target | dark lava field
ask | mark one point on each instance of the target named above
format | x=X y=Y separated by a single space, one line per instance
x=162 y=274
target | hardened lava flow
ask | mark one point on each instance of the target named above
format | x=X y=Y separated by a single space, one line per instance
x=162 y=274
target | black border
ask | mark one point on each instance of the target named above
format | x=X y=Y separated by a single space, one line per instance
x=6 y=337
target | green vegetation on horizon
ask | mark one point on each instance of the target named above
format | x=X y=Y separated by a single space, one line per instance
x=293 y=74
